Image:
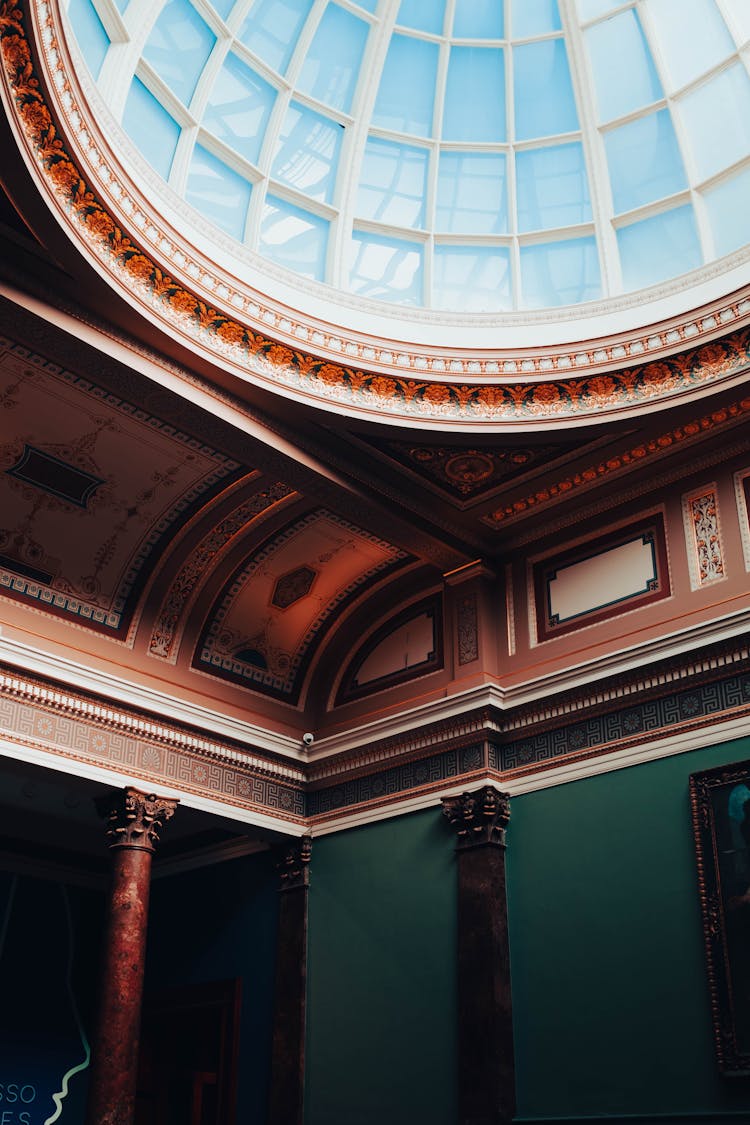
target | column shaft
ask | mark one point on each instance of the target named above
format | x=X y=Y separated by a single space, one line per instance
x=485 y=1024
x=114 y=1070
x=134 y=820
x=486 y=1078
x=288 y=1059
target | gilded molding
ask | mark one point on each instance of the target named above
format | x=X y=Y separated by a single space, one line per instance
x=644 y=451
x=541 y=396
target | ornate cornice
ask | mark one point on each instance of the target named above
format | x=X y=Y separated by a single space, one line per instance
x=189 y=296
x=631 y=710
x=478 y=818
x=135 y=818
x=640 y=454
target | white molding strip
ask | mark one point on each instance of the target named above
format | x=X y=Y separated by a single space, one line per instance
x=742 y=513
x=73 y=675
x=681 y=743
x=115 y=778
x=77 y=676
x=541 y=688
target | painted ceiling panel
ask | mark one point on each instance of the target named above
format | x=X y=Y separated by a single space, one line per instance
x=91 y=488
x=263 y=629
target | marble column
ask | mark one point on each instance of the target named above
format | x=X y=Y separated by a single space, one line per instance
x=486 y=1080
x=288 y=1057
x=134 y=820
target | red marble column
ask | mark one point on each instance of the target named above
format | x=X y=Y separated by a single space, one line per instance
x=134 y=819
x=486 y=1078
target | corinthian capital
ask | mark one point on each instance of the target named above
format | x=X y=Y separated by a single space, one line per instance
x=293 y=863
x=479 y=817
x=135 y=818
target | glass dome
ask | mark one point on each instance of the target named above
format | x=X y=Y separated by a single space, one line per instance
x=468 y=155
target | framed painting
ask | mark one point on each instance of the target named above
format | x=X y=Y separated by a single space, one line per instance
x=720 y=800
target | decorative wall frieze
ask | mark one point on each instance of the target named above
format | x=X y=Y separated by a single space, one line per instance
x=634 y=708
x=40 y=716
x=679 y=437
x=467 y=628
x=181 y=289
x=700 y=513
x=677 y=696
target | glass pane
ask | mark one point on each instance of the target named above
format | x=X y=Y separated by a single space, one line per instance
x=534 y=17
x=590 y=9
x=739 y=17
x=392 y=184
x=368 y=5
x=179 y=46
x=560 y=273
x=217 y=192
x=422 y=15
x=552 y=187
x=472 y=193
x=386 y=269
x=223 y=7
x=644 y=161
x=543 y=92
x=691 y=35
x=729 y=213
x=471 y=278
x=154 y=131
x=272 y=28
x=658 y=248
x=624 y=73
x=307 y=152
x=474 y=107
x=478 y=19
x=90 y=34
x=239 y=106
x=294 y=238
x=716 y=117
x=407 y=86
x=334 y=59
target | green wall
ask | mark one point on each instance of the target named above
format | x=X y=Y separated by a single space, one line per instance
x=609 y=984
x=382 y=946
x=218 y=923
x=610 y=997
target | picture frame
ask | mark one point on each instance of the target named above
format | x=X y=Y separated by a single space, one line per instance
x=720 y=802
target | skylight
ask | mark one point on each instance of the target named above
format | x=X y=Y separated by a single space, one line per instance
x=467 y=155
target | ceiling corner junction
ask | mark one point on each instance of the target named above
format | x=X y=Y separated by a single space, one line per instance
x=635 y=707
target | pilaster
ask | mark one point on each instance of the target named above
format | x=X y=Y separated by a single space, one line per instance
x=486 y=1078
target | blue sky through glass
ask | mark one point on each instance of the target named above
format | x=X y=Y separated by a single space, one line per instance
x=448 y=152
